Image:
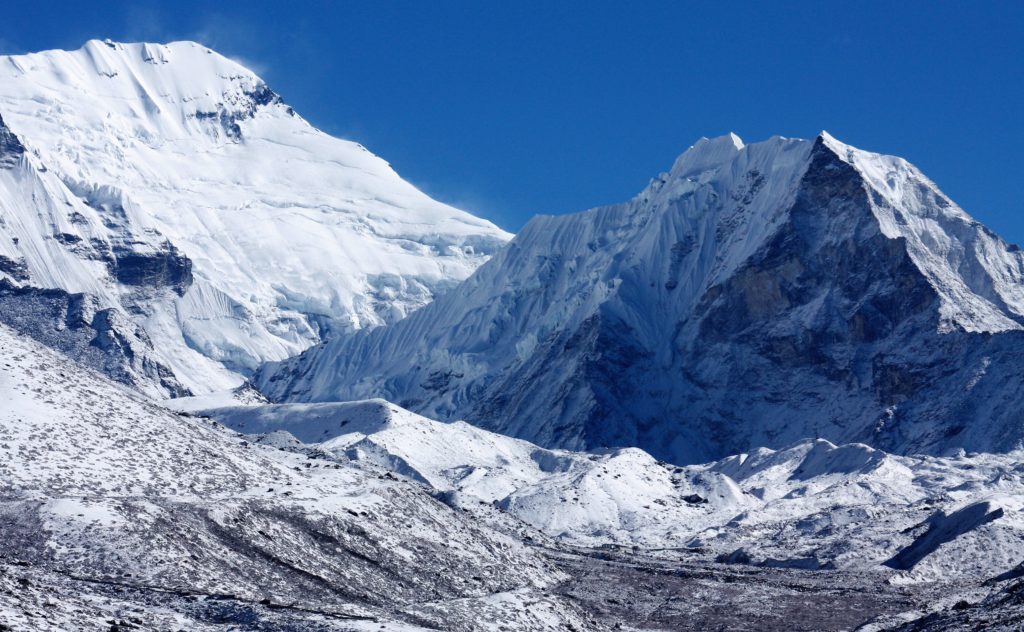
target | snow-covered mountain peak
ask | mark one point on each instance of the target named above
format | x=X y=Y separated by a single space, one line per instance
x=156 y=157
x=977 y=276
x=704 y=144
x=707 y=152
x=756 y=294
x=169 y=89
x=832 y=142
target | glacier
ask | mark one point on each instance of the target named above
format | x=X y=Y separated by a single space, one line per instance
x=810 y=505
x=170 y=188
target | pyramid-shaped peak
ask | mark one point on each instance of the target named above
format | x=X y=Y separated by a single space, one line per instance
x=833 y=143
x=767 y=252
x=730 y=139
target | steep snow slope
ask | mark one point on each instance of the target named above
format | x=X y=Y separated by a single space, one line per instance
x=59 y=265
x=101 y=490
x=171 y=184
x=812 y=505
x=754 y=295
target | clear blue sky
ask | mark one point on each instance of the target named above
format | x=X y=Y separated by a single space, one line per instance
x=510 y=109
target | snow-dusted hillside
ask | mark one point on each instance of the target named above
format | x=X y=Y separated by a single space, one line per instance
x=120 y=508
x=812 y=505
x=171 y=191
x=754 y=295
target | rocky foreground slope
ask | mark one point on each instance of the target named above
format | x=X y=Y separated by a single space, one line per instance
x=753 y=296
x=114 y=509
x=119 y=514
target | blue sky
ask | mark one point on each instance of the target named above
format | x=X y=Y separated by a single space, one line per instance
x=510 y=109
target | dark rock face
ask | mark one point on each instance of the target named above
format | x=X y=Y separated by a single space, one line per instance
x=102 y=339
x=864 y=362
x=229 y=117
x=139 y=258
x=15 y=268
x=11 y=149
x=743 y=371
x=862 y=299
x=167 y=267
x=228 y=122
x=263 y=95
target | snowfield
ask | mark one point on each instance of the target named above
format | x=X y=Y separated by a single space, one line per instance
x=172 y=185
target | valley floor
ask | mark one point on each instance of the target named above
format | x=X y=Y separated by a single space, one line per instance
x=620 y=590
x=653 y=591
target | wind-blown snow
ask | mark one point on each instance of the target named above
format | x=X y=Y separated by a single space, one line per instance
x=287 y=231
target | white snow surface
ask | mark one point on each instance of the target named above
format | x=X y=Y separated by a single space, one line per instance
x=810 y=505
x=290 y=232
